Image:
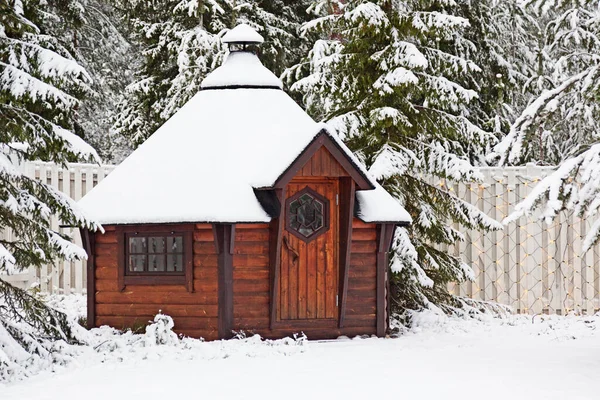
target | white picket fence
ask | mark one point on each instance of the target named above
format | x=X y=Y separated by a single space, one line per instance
x=63 y=277
x=530 y=266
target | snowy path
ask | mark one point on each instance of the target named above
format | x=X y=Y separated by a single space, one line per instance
x=559 y=359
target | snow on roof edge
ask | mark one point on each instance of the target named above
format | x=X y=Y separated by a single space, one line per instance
x=379 y=206
x=171 y=221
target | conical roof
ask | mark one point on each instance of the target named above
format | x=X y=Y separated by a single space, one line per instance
x=240 y=132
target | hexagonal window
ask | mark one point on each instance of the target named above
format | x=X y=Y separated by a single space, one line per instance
x=307 y=214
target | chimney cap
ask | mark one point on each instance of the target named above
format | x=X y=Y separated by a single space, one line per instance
x=242 y=34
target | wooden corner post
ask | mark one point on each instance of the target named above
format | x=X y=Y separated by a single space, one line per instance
x=347 y=192
x=89 y=241
x=385 y=234
x=224 y=241
x=275 y=238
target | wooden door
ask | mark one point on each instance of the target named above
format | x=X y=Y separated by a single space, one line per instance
x=308 y=278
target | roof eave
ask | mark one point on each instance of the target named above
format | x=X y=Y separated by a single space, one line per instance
x=222 y=87
x=397 y=223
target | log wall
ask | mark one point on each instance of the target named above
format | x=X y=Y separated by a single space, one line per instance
x=195 y=314
x=251 y=278
x=362 y=279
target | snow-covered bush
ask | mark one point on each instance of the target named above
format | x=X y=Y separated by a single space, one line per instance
x=160 y=332
x=26 y=350
x=33 y=336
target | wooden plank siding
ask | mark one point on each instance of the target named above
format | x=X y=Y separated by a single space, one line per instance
x=322 y=164
x=319 y=166
x=362 y=279
x=195 y=314
x=251 y=284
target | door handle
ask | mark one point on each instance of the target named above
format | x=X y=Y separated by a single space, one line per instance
x=289 y=247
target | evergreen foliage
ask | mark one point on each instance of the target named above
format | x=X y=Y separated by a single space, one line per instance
x=502 y=37
x=561 y=116
x=102 y=48
x=40 y=89
x=392 y=78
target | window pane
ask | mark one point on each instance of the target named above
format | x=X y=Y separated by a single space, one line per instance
x=137 y=263
x=175 y=244
x=156 y=263
x=294 y=222
x=175 y=262
x=318 y=206
x=137 y=245
x=306 y=231
x=156 y=244
x=306 y=198
x=306 y=214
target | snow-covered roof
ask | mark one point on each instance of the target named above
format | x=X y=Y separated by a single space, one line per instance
x=204 y=163
x=242 y=33
x=379 y=206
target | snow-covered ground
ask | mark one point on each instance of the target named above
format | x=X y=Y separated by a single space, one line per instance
x=518 y=357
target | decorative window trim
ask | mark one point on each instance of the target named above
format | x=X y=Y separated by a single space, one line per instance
x=184 y=277
x=324 y=200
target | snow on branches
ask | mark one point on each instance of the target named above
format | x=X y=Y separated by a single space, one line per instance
x=180 y=41
x=561 y=118
x=575 y=186
x=560 y=125
x=41 y=85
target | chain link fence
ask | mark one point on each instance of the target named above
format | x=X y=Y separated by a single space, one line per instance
x=532 y=266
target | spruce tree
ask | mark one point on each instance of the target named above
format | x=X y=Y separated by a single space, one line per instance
x=101 y=47
x=390 y=77
x=560 y=119
x=40 y=90
x=502 y=42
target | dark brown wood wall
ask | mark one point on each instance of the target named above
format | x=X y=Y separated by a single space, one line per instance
x=361 y=310
x=195 y=314
x=251 y=277
x=322 y=163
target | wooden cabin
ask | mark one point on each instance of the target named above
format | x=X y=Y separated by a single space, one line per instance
x=241 y=213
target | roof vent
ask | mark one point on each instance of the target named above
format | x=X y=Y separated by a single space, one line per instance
x=242 y=68
x=242 y=35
